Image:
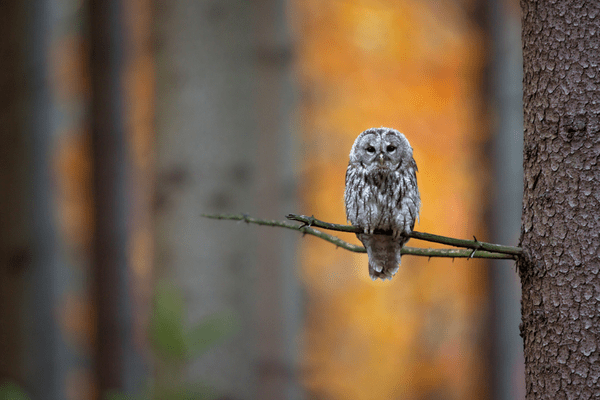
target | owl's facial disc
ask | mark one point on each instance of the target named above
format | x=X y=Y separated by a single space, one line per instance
x=393 y=150
x=369 y=149
x=380 y=150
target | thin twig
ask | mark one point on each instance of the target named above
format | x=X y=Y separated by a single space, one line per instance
x=469 y=244
x=284 y=224
x=307 y=228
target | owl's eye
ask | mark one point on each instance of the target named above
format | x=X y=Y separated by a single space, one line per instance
x=390 y=148
x=370 y=149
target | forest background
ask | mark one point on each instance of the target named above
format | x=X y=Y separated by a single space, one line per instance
x=122 y=122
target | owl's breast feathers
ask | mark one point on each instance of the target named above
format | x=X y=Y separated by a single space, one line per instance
x=372 y=196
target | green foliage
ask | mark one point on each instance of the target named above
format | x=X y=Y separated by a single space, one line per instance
x=176 y=344
x=11 y=391
x=199 y=392
x=168 y=333
x=114 y=395
x=210 y=332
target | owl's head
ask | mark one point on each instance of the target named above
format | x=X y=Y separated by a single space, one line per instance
x=382 y=149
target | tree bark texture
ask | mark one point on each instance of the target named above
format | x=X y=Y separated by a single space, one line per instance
x=561 y=210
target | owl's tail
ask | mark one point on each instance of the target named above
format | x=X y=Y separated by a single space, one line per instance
x=384 y=255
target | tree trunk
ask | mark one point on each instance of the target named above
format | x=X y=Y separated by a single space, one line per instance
x=223 y=145
x=561 y=214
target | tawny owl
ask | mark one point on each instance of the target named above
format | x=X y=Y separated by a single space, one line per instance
x=382 y=193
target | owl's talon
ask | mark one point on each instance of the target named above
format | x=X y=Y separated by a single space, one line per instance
x=309 y=221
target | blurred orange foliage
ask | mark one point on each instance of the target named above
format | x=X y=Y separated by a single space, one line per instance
x=415 y=66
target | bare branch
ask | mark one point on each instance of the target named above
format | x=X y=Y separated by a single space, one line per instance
x=469 y=244
x=309 y=222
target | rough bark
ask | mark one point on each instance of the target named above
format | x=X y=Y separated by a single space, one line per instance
x=561 y=210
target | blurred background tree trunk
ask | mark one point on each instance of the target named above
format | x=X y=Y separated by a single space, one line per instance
x=15 y=246
x=505 y=71
x=98 y=212
x=50 y=324
x=225 y=144
x=561 y=210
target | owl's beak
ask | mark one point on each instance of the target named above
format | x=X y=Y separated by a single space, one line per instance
x=381 y=162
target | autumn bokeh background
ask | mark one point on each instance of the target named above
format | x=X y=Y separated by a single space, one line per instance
x=122 y=122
